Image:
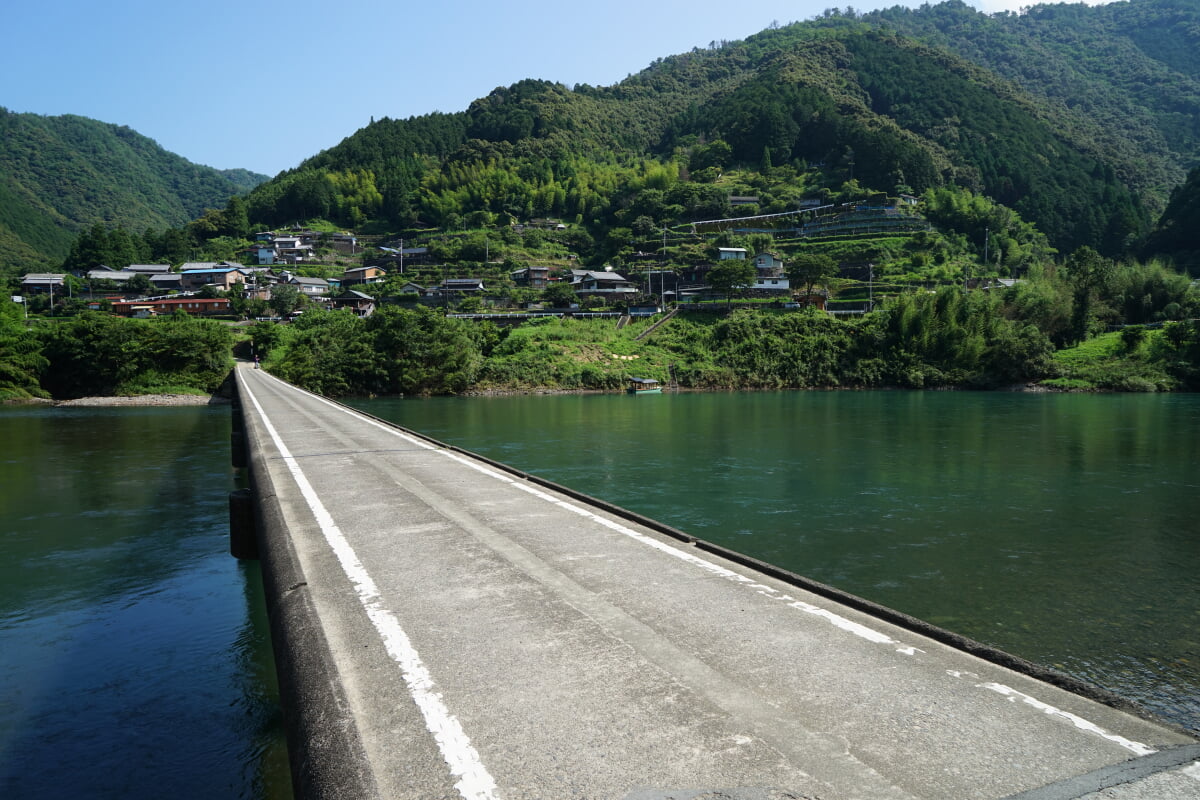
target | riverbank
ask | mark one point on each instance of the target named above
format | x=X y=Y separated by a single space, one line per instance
x=146 y=400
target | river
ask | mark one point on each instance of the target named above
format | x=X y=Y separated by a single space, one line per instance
x=134 y=651
x=1059 y=527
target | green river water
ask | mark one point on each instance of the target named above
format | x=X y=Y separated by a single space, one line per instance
x=134 y=656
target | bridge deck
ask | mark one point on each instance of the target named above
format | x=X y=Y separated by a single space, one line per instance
x=446 y=628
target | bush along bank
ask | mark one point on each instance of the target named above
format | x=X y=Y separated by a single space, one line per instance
x=95 y=354
x=947 y=339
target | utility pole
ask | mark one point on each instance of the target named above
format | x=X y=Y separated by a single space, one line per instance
x=662 y=275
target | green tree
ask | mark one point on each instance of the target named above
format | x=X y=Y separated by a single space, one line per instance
x=331 y=353
x=810 y=269
x=92 y=354
x=285 y=298
x=236 y=219
x=732 y=276
x=139 y=284
x=559 y=294
x=423 y=352
x=21 y=359
x=1088 y=271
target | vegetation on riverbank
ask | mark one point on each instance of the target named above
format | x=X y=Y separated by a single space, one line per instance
x=94 y=354
x=945 y=339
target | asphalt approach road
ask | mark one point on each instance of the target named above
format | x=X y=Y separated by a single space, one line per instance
x=446 y=628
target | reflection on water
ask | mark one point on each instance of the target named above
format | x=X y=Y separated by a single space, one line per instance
x=1058 y=527
x=133 y=649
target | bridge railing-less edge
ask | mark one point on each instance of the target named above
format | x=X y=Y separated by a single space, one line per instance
x=325 y=752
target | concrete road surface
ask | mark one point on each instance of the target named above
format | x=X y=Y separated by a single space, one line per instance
x=446 y=628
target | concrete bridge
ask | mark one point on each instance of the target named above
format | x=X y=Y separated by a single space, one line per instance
x=446 y=627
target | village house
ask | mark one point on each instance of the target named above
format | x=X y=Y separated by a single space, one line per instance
x=605 y=284
x=43 y=282
x=363 y=275
x=291 y=250
x=221 y=277
x=361 y=304
x=531 y=277
x=775 y=283
x=694 y=275
x=768 y=265
x=413 y=288
x=199 y=306
x=461 y=286
x=400 y=257
x=150 y=269
x=731 y=253
x=166 y=281
x=312 y=287
x=108 y=274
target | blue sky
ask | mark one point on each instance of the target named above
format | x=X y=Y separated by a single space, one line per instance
x=264 y=84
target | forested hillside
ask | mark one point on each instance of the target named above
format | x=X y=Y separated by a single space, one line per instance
x=60 y=175
x=1176 y=236
x=1125 y=75
x=1081 y=119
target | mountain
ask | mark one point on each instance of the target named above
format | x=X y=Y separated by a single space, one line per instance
x=1174 y=236
x=1081 y=119
x=1125 y=75
x=61 y=174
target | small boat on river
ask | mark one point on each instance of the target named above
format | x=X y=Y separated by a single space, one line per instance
x=644 y=386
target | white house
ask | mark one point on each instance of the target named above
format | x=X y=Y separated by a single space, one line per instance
x=604 y=284
x=771 y=284
x=308 y=286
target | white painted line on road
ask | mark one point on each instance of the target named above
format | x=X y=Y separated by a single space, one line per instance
x=1079 y=722
x=474 y=781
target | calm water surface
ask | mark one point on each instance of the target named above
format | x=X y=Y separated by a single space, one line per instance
x=134 y=652
x=1063 y=528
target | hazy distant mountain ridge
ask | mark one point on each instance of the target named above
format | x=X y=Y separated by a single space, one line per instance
x=60 y=174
